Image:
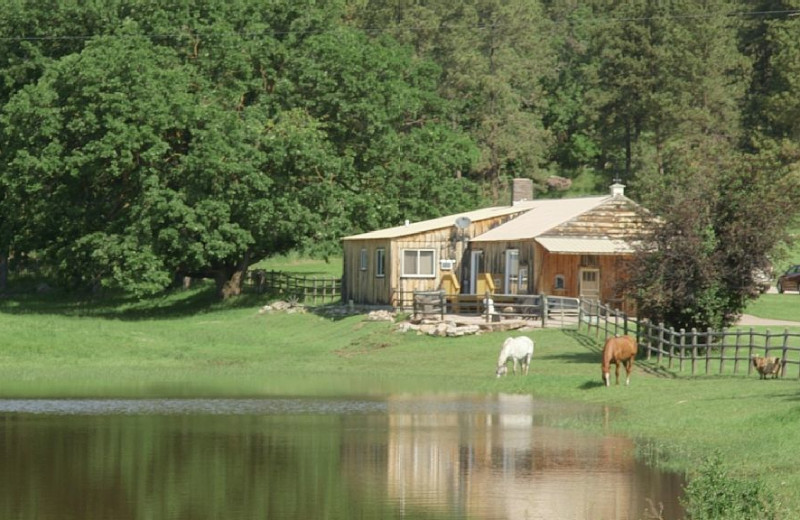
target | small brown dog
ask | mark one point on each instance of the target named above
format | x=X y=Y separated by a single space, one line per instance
x=768 y=366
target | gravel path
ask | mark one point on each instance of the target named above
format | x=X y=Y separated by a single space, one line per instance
x=747 y=319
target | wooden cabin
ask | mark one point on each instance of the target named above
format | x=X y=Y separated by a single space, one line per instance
x=567 y=247
x=385 y=267
x=575 y=247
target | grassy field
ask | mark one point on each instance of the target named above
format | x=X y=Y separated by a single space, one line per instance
x=186 y=344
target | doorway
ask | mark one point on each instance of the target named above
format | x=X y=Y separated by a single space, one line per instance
x=590 y=284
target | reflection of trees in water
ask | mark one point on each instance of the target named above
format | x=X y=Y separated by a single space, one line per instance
x=478 y=458
x=170 y=467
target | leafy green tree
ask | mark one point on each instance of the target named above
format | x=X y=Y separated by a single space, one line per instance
x=494 y=55
x=191 y=142
x=124 y=173
x=718 y=228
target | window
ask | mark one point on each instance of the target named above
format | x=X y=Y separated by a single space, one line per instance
x=419 y=263
x=559 y=285
x=590 y=261
x=363 y=263
x=380 y=263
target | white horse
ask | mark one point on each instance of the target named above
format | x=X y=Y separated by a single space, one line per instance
x=519 y=349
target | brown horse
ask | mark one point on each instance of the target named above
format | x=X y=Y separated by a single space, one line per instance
x=619 y=349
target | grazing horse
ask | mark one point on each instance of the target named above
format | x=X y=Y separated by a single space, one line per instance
x=519 y=349
x=619 y=349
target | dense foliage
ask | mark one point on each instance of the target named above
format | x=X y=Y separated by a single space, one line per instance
x=141 y=142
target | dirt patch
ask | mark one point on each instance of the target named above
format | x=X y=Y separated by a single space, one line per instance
x=749 y=320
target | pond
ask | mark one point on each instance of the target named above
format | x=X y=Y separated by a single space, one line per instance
x=402 y=456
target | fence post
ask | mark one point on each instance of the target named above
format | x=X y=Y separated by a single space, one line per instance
x=660 y=341
x=673 y=344
x=722 y=352
x=767 y=338
x=442 y=303
x=694 y=350
x=784 y=351
x=708 y=350
x=681 y=350
x=750 y=353
x=625 y=324
x=736 y=352
x=597 y=330
x=543 y=299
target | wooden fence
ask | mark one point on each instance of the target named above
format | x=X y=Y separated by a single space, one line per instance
x=496 y=307
x=310 y=290
x=700 y=351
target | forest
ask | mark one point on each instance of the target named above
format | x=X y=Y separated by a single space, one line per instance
x=142 y=141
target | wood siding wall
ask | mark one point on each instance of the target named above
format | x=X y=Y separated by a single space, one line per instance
x=364 y=287
x=494 y=262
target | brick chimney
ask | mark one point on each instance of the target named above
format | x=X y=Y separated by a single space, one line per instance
x=522 y=190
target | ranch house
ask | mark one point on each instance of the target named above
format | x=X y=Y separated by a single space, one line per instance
x=574 y=247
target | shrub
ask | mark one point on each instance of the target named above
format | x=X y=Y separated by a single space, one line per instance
x=713 y=494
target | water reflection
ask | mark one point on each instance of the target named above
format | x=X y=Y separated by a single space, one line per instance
x=403 y=457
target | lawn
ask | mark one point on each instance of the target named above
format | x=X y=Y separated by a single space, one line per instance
x=784 y=306
x=186 y=344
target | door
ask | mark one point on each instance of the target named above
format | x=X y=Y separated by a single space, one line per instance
x=475 y=268
x=511 y=280
x=590 y=284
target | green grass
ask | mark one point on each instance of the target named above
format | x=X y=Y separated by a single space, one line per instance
x=784 y=306
x=187 y=344
x=302 y=266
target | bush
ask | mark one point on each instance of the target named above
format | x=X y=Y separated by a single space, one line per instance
x=713 y=494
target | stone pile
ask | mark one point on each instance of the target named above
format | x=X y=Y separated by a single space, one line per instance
x=282 y=306
x=438 y=328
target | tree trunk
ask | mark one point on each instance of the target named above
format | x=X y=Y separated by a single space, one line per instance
x=3 y=271
x=230 y=280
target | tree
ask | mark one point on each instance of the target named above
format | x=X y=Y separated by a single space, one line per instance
x=494 y=55
x=149 y=155
x=121 y=170
x=697 y=268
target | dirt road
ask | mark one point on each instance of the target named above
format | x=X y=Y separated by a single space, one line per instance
x=748 y=320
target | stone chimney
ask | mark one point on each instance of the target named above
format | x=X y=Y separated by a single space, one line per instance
x=522 y=190
x=617 y=189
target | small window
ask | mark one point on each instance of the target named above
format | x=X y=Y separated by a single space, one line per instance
x=559 y=283
x=380 y=263
x=590 y=261
x=419 y=263
x=363 y=262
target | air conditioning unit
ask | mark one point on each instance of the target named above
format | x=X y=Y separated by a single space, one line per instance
x=447 y=265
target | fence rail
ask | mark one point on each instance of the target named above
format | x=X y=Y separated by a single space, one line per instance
x=700 y=351
x=496 y=307
x=311 y=290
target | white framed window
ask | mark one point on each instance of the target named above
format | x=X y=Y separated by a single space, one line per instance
x=560 y=284
x=419 y=263
x=363 y=262
x=380 y=262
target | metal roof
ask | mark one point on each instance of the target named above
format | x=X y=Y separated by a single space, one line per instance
x=580 y=245
x=543 y=216
x=414 y=228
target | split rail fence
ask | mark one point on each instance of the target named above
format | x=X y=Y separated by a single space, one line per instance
x=311 y=290
x=700 y=351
